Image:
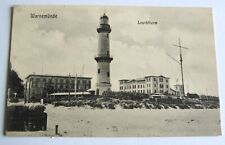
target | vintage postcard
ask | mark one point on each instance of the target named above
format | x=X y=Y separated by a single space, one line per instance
x=112 y=71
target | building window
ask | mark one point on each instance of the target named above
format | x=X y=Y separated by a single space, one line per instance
x=99 y=71
x=167 y=86
x=161 y=79
x=154 y=79
x=33 y=85
x=161 y=85
x=108 y=74
x=107 y=35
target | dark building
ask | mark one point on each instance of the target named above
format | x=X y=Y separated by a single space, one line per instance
x=192 y=96
x=40 y=86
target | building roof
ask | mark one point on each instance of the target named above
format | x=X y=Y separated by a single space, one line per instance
x=156 y=76
x=142 y=79
x=124 y=80
x=139 y=79
x=132 y=80
x=59 y=76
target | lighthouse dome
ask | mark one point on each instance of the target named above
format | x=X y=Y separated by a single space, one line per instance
x=104 y=19
x=104 y=16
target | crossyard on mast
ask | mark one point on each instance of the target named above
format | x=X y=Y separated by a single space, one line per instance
x=181 y=62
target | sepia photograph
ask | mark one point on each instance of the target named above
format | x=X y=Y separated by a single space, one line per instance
x=112 y=71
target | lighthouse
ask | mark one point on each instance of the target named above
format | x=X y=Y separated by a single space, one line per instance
x=103 y=57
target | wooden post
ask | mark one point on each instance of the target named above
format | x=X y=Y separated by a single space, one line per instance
x=42 y=101
x=56 y=129
x=69 y=88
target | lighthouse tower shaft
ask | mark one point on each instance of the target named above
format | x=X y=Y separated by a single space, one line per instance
x=103 y=57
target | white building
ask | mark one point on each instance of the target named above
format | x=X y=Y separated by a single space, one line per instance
x=179 y=90
x=146 y=85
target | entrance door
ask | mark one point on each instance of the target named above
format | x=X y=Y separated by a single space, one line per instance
x=97 y=91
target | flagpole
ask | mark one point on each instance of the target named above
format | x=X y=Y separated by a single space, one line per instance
x=75 y=86
x=69 y=87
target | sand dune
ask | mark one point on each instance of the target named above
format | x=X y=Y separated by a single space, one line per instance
x=129 y=122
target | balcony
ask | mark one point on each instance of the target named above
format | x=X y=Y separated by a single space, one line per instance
x=106 y=57
x=104 y=28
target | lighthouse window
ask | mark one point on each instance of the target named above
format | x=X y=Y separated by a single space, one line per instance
x=99 y=70
x=108 y=74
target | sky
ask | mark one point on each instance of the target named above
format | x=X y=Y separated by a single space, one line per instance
x=69 y=43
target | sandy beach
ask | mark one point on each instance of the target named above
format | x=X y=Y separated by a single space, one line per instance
x=81 y=122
